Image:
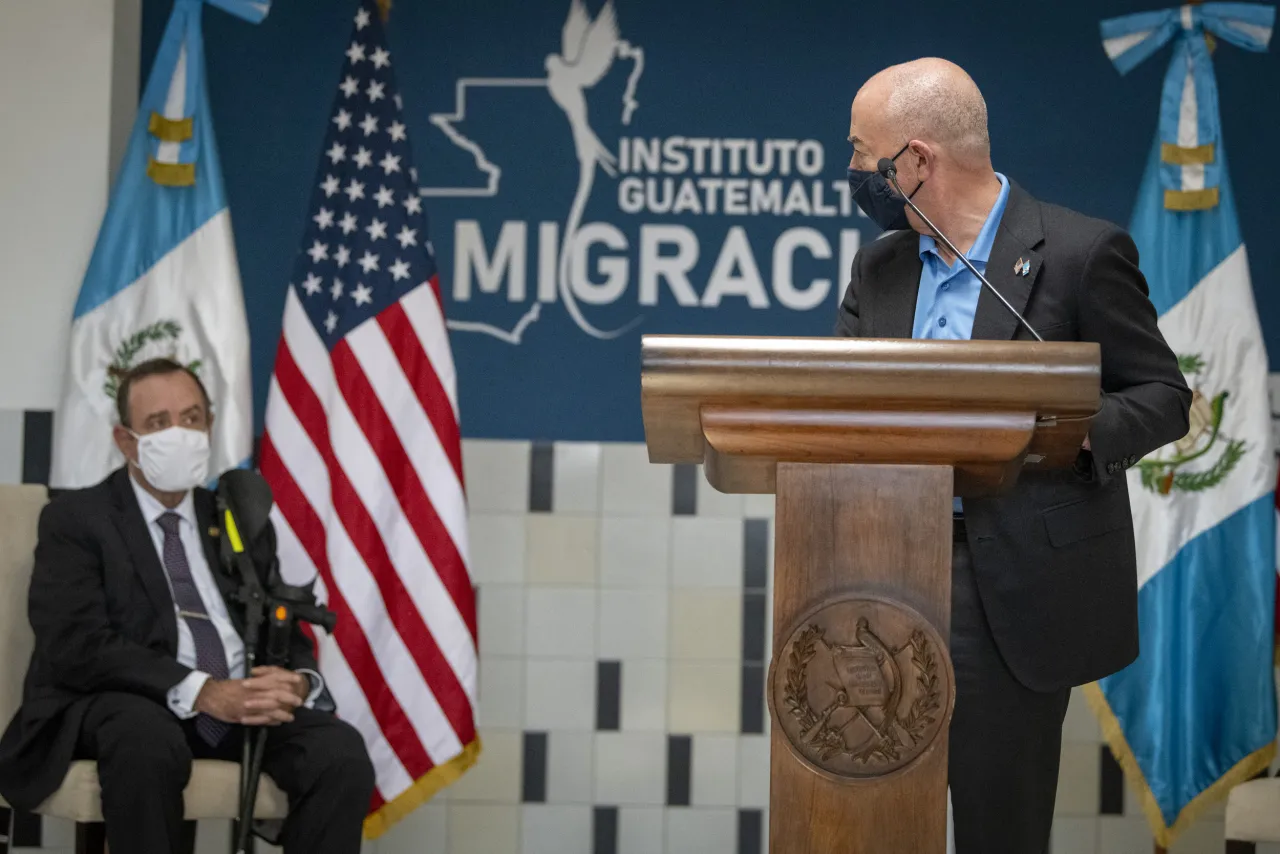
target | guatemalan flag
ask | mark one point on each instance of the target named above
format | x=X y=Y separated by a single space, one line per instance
x=1196 y=713
x=163 y=279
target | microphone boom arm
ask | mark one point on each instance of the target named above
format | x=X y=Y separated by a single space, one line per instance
x=892 y=174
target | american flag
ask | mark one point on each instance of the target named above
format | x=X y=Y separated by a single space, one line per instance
x=362 y=448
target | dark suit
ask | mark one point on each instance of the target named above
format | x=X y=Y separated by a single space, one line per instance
x=105 y=659
x=1044 y=576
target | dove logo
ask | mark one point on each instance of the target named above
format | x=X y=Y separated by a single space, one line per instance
x=595 y=255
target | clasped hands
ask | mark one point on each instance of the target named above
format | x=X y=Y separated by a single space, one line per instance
x=267 y=698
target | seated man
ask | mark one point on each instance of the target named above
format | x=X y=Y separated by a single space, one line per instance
x=139 y=662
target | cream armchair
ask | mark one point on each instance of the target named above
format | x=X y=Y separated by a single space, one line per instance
x=213 y=792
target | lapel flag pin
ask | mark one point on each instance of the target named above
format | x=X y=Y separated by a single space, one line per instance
x=1021 y=267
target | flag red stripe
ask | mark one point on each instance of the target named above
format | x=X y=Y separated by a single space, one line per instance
x=392 y=721
x=440 y=678
x=417 y=505
x=424 y=380
x=418 y=510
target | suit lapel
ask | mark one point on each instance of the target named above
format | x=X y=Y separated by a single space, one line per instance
x=1021 y=230
x=210 y=537
x=899 y=283
x=133 y=528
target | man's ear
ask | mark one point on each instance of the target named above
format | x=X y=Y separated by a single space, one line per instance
x=922 y=157
x=125 y=442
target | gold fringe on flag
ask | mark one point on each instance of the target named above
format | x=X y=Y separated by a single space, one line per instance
x=389 y=814
x=1244 y=770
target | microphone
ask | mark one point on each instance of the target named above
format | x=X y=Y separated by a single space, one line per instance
x=244 y=503
x=886 y=168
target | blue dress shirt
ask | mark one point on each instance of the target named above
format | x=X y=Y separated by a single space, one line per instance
x=948 y=297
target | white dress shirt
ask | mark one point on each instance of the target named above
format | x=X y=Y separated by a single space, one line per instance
x=182 y=697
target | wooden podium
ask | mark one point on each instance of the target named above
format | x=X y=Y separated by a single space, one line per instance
x=864 y=442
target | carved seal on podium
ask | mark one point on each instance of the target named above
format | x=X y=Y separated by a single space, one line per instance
x=861 y=688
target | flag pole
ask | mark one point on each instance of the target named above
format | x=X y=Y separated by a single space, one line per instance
x=384 y=8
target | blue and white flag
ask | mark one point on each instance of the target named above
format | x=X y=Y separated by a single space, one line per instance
x=163 y=279
x=1196 y=713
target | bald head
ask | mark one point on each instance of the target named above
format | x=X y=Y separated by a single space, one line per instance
x=931 y=100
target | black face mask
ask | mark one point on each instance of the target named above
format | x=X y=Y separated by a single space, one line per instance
x=878 y=199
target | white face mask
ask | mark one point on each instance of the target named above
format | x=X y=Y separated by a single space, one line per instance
x=174 y=459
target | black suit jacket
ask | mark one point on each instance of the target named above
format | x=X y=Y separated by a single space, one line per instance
x=1054 y=557
x=104 y=621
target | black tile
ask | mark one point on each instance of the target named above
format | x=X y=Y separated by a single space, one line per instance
x=608 y=695
x=604 y=830
x=37 y=446
x=684 y=490
x=755 y=554
x=754 y=622
x=679 y=769
x=535 y=768
x=753 y=698
x=28 y=830
x=541 y=475
x=1111 y=788
x=750 y=832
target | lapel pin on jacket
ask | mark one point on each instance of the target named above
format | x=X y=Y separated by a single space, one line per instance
x=1021 y=267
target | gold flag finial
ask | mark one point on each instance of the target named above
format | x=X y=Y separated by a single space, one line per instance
x=384 y=8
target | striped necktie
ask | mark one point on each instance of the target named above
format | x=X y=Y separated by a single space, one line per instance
x=211 y=656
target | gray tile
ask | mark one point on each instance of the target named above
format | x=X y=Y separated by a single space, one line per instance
x=563 y=549
x=497 y=474
x=424 y=829
x=10 y=446
x=632 y=486
x=1206 y=836
x=706 y=552
x=555 y=829
x=560 y=622
x=715 y=770
x=560 y=695
x=753 y=771
x=501 y=619
x=633 y=623
x=635 y=552
x=1075 y=836
x=576 y=477
x=570 y=767
x=498 y=547
x=630 y=769
x=642 y=830
x=1123 y=835
x=699 y=831
x=501 y=692
x=1078 y=780
x=484 y=829
x=644 y=696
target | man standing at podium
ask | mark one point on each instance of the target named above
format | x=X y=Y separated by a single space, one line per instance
x=1023 y=630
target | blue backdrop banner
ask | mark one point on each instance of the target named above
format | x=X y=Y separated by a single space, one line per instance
x=595 y=172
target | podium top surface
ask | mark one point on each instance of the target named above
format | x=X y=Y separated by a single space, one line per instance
x=683 y=375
